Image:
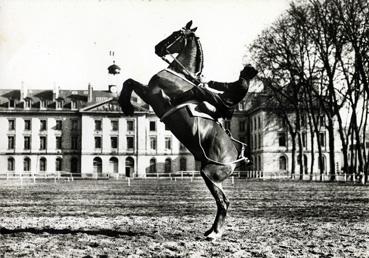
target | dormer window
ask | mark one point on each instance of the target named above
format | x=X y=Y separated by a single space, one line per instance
x=73 y=104
x=27 y=103
x=11 y=103
x=43 y=104
x=59 y=104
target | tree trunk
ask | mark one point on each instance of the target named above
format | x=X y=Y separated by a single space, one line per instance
x=332 y=174
x=293 y=154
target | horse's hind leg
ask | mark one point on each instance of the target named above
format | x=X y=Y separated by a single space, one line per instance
x=222 y=202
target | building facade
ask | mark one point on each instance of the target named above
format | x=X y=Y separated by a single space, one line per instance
x=85 y=133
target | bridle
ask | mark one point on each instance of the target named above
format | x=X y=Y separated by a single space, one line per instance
x=194 y=77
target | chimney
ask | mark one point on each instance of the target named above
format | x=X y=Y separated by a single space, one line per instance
x=23 y=93
x=90 y=92
x=56 y=92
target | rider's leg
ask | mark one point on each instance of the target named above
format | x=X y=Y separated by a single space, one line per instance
x=201 y=94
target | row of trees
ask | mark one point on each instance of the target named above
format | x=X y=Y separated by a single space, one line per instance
x=315 y=61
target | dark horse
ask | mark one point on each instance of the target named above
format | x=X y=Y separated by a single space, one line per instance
x=203 y=137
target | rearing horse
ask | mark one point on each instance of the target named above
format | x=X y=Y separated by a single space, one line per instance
x=203 y=137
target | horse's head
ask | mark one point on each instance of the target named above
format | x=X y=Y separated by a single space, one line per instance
x=176 y=41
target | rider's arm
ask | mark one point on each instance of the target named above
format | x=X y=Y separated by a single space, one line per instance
x=221 y=86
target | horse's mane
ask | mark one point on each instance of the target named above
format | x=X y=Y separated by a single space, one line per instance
x=199 y=57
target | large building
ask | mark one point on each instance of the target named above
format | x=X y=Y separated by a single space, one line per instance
x=86 y=133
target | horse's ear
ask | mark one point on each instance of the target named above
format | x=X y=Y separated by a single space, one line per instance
x=188 y=25
x=194 y=29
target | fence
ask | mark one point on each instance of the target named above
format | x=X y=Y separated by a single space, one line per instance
x=29 y=176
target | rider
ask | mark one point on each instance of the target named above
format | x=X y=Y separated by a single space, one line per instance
x=225 y=102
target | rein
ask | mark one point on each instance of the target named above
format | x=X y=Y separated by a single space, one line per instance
x=184 y=69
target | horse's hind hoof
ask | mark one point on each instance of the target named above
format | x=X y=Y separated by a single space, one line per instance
x=213 y=236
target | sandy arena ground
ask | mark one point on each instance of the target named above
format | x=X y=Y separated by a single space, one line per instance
x=162 y=218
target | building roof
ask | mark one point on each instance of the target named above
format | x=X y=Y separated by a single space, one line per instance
x=49 y=98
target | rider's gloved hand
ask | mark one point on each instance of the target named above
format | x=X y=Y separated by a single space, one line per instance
x=248 y=72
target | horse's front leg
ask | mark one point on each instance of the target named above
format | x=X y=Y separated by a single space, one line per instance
x=222 y=202
x=125 y=95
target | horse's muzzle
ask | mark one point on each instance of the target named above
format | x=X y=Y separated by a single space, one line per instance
x=159 y=51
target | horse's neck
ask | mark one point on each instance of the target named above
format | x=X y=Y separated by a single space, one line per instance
x=191 y=58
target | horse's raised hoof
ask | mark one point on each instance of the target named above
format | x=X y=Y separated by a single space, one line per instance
x=125 y=99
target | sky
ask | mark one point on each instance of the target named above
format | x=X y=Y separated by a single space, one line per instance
x=66 y=43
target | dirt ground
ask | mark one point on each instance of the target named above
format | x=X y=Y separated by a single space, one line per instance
x=163 y=218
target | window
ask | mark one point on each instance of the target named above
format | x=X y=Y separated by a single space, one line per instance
x=43 y=125
x=303 y=120
x=168 y=143
x=114 y=142
x=304 y=139
x=74 y=142
x=59 y=164
x=11 y=142
x=74 y=165
x=227 y=125
x=98 y=125
x=152 y=168
x=183 y=164
x=168 y=165
x=59 y=125
x=27 y=142
x=43 y=104
x=130 y=125
x=241 y=125
x=114 y=125
x=11 y=164
x=167 y=127
x=260 y=141
x=282 y=139
x=58 y=142
x=59 y=104
x=11 y=124
x=27 y=103
x=130 y=166
x=11 y=103
x=27 y=125
x=242 y=105
x=42 y=164
x=282 y=163
x=42 y=143
x=322 y=120
x=74 y=124
x=153 y=143
x=152 y=126
x=73 y=104
x=259 y=123
x=182 y=147
x=97 y=142
x=113 y=162
x=322 y=139
x=97 y=164
x=27 y=164
x=130 y=143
